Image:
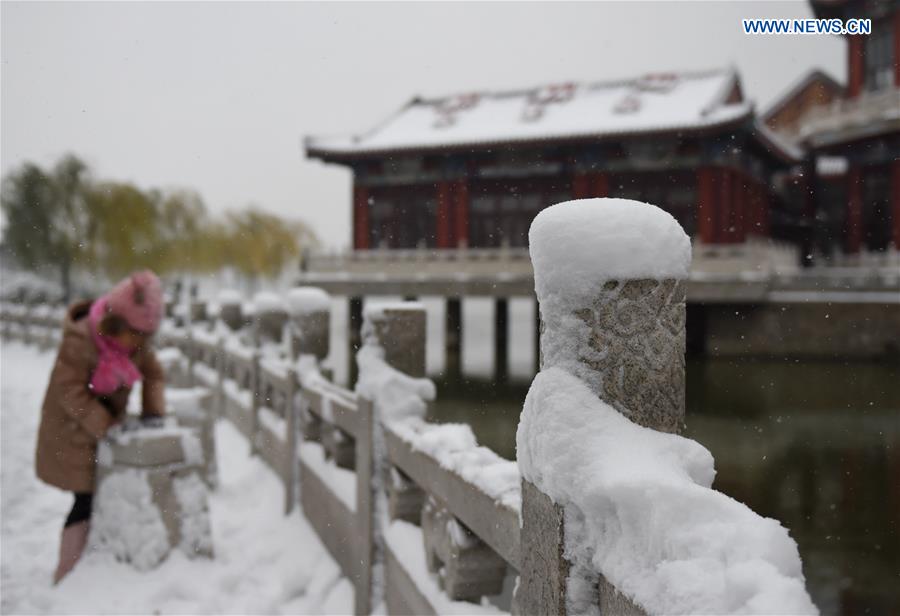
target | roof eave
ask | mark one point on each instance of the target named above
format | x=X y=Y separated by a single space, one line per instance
x=328 y=155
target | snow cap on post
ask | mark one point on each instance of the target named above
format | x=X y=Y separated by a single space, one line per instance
x=304 y=300
x=270 y=316
x=392 y=360
x=310 y=318
x=230 y=311
x=399 y=329
x=577 y=246
x=609 y=279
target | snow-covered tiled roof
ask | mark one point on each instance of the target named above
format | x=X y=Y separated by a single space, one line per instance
x=652 y=103
x=797 y=88
x=777 y=143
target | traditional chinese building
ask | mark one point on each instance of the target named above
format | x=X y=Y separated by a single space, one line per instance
x=788 y=113
x=852 y=139
x=472 y=170
x=444 y=192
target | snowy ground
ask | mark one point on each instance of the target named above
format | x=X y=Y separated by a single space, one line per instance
x=265 y=563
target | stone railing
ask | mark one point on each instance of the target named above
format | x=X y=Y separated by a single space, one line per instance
x=753 y=255
x=419 y=517
x=37 y=324
x=469 y=261
x=759 y=255
x=320 y=440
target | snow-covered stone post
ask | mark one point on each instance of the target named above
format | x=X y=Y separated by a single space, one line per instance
x=310 y=319
x=271 y=317
x=609 y=276
x=190 y=350
x=399 y=329
x=392 y=334
x=150 y=496
x=289 y=472
x=230 y=311
x=198 y=311
x=255 y=401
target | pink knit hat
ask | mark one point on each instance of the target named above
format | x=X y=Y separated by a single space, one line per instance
x=139 y=300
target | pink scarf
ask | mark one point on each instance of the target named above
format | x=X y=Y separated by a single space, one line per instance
x=114 y=366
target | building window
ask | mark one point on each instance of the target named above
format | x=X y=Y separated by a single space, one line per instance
x=500 y=213
x=674 y=192
x=879 y=57
x=403 y=217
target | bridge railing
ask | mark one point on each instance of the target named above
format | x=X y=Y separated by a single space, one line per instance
x=439 y=539
x=465 y=537
x=449 y=523
x=419 y=517
x=38 y=324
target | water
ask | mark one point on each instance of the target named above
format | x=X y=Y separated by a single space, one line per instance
x=814 y=445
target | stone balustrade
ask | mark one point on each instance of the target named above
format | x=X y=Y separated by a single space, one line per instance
x=414 y=526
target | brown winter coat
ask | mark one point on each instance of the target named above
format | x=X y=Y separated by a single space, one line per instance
x=73 y=418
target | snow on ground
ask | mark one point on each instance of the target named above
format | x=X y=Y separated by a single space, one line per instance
x=265 y=563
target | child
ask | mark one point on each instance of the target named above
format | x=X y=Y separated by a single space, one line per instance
x=104 y=350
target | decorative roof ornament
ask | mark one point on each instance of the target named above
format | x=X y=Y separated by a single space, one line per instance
x=630 y=103
x=652 y=83
x=661 y=83
x=450 y=107
x=537 y=101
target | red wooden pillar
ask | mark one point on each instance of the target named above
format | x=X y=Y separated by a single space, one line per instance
x=738 y=212
x=855 y=65
x=443 y=215
x=461 y=203
x=895 y=195
x=601 y=185
x=723 y=232
x=360 y=217
x=706 y=205
x=580 y=186
x=854 y=209
x=754 y=209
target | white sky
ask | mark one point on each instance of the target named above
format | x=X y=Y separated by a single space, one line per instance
x=218 y=96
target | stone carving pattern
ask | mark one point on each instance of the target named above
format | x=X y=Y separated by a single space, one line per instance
x=637 y=346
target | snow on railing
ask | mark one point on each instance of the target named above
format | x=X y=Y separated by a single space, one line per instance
x=606 y=508
x=447 y=518
x=597 y=443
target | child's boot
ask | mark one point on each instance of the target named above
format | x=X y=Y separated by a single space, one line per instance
x=71 y=545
